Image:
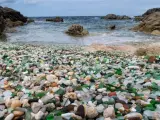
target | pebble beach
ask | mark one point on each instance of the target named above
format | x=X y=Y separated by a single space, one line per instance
x=65 y=82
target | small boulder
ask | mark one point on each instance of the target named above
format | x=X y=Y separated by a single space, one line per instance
x=56 y=19
x=77 y=30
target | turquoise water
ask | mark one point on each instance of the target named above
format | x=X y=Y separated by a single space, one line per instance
x=50 y=32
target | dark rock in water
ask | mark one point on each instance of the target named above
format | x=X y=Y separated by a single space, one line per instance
x=138 y=18
x=12 y=17
x=57 y=19
x=150 y=11
x=77 y=30
x=112 y=27
x=30 y=20
x=150 y=24
x=116 y=17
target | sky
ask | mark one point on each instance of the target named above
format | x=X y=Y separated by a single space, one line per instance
x=35 y=8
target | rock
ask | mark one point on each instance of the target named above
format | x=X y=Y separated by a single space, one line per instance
x=8 y=102
x=100 y=108
x=81 y=111
x=135 y=116
x=138 y=18
x=71 y=95
x=67 y=116
x=25 y=103
x=141 y=52
x=36 y=107
x=118 y=105
x=11 y=24
x=12 y=17
x=108 y=118
x=150 y=24
x=50 y=107
x=2 y=107
x=57 y=19
x=30 y=21
x=151 y=59
x=150 y=11
x=112 y=27
x=38 y=116
x=109 y=112
x=2 y=113
x=15 y=103
x=47 y=98
x=2 y=23
x=18 y=113
x=149 y=114
x=7 y=94
x=77 y=30
x=9 y=117
x=155 y=32
x=116 y=17
x=91 y=112
x=112 y=94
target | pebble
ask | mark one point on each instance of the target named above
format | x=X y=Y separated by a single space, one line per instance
x=9 y=117
x=91 y=112
x=36 y=107
x=18 y=113
x=100 y=108
x=67 y=116
x=47 y=98
x=133 y=116
x=38 y=116
x=15 y=103
x=109 y=112
x=2 y=113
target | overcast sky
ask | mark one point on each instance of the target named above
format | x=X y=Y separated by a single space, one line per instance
x=80 y=7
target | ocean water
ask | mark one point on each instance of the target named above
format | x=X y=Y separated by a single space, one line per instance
x=49 y=32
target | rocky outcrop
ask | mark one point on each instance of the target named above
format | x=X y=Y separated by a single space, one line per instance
x=150 y=24
x=30 y=21
x=150 y=11
x=116 y=17
x=2 y=24
x=56 y=19
x=12 y=17
x=77 y=30
x=138 y=18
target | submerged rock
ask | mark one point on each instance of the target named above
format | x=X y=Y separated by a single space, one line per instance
x=112 y=27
